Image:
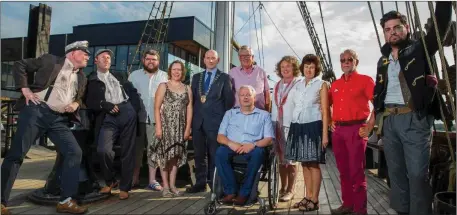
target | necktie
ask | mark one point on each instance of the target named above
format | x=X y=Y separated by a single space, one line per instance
x=207 y=81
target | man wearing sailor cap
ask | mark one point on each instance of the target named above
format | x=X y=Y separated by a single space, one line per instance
x=48 y=103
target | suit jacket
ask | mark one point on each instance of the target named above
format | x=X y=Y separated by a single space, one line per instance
x=219 y=99
x=39 y=73
x=95 y=94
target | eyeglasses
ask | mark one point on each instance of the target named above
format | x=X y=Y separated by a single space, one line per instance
x=344 y=60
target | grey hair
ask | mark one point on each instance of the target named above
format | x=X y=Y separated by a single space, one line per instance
x=247 y=48
x=250 y=88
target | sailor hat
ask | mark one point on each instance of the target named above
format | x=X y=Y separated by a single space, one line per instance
x=78 y=45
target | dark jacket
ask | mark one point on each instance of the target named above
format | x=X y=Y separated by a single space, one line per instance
x=95 y=94
x=220 y=98
x=413 y=63
x=39 y=73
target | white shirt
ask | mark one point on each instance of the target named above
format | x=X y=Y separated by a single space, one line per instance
x=306 y=101
x=147 y=87
x=287 y=108
x=64 y=90
x=113 y=89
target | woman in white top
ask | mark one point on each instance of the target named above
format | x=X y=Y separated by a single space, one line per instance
x=281 y=114
x=308 y=132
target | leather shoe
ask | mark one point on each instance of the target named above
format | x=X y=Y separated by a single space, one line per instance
x=240 y=200
x=107 y=189
x=70 y=207
x=196 y=189
x=123 y=195
x=228 y=199
x=5 y=210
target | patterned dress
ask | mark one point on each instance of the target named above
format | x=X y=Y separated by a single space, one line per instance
x=173 y=117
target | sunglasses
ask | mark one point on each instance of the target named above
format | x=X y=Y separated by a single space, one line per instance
x=343 y=60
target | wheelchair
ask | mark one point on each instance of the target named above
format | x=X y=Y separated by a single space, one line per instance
x=268 y=170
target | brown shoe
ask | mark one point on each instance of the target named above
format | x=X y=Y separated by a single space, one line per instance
x=5 y=210
x=70 y=207
x=107 y=189
x=123 y=195
x=342 y=210
x=240 y=200
x=228 y=199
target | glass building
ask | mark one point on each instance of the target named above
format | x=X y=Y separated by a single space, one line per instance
x=187 y=40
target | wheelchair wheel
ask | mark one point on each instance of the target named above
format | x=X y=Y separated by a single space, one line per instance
x=262 y=210
x=273 y=183
x=210 y=208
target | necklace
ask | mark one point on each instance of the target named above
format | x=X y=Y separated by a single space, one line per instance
x=200 y=89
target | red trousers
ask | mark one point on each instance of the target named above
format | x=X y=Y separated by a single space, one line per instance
x=349 y=149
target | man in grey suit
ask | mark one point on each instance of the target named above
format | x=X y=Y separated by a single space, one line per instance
x=212 y=96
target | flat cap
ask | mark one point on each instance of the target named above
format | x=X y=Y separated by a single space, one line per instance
x=104 y=50
x=78 y=45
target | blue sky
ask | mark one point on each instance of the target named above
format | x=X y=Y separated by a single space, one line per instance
x=348 y=24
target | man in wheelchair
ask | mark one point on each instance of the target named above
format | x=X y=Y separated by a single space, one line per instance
x=244 y=131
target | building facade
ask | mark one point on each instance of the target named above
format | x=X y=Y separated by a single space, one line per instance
x=187 y=40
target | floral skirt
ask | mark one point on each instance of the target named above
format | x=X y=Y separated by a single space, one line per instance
x=304 y=143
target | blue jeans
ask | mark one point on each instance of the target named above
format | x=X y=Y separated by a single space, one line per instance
x=34 y=121
x=224 y=156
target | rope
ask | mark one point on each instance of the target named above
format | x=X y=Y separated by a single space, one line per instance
x=382 y=7
x=247 y=20
x=256 y=35
x=325 y=34
x=279 y=31
x=430 y=66
x=396 y=5
x=441 y=52
x=374 y=24
x=261 y=35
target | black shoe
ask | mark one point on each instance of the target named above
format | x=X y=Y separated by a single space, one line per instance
x=196 y=189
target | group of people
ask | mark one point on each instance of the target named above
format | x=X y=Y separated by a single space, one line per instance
x=229 y=114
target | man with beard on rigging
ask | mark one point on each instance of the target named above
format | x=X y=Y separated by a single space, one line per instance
x=406 y=102
x=146 y=81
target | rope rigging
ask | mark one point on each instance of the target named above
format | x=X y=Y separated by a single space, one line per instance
x=374 y=24
x=279 y=30
x=325 y=35
x=247 y=21
x=261 y=34
x=256 y=35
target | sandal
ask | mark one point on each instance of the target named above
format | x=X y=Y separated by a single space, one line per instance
x=307 y=208
x=155 y=186
x=175 y=192
x=166 y=193
x=281 y=193
x=303 y=202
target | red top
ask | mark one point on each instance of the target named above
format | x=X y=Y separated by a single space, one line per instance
x=350 y=97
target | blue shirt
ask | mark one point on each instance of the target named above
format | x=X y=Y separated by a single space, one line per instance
x=393 y=94
x=213 y=74
x=246 y=128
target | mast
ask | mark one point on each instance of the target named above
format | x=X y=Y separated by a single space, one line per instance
x=223 y=32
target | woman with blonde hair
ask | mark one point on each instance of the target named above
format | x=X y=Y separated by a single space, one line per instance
x=288 y=70
x=173 y=114
x=308 y=134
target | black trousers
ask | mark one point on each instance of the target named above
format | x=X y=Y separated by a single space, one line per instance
x=205 y=145
x=34 y=121
x=122 y=129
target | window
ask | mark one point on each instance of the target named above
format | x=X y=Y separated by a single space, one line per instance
x=91 y=59
x=121 y=58
x=132 y=58
x=113 y=58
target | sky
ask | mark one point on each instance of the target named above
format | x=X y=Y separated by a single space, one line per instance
x=348 y=25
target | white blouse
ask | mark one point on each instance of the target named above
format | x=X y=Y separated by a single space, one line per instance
x=305 y=101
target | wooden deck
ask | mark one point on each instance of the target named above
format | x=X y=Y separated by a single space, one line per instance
x=34 y=171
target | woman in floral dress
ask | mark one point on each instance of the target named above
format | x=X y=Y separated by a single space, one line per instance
x=173 y=113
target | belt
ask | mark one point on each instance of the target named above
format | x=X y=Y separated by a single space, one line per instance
x=350 y=122
x=391 y=111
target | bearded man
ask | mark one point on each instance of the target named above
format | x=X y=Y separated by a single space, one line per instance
x=146 y=81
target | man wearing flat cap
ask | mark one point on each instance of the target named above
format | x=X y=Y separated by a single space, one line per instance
x=115 y=104
x=48 y=102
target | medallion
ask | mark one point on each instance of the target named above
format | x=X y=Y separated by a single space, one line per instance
x=203 y=98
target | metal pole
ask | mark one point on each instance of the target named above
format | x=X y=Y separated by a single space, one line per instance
x=223 y=32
